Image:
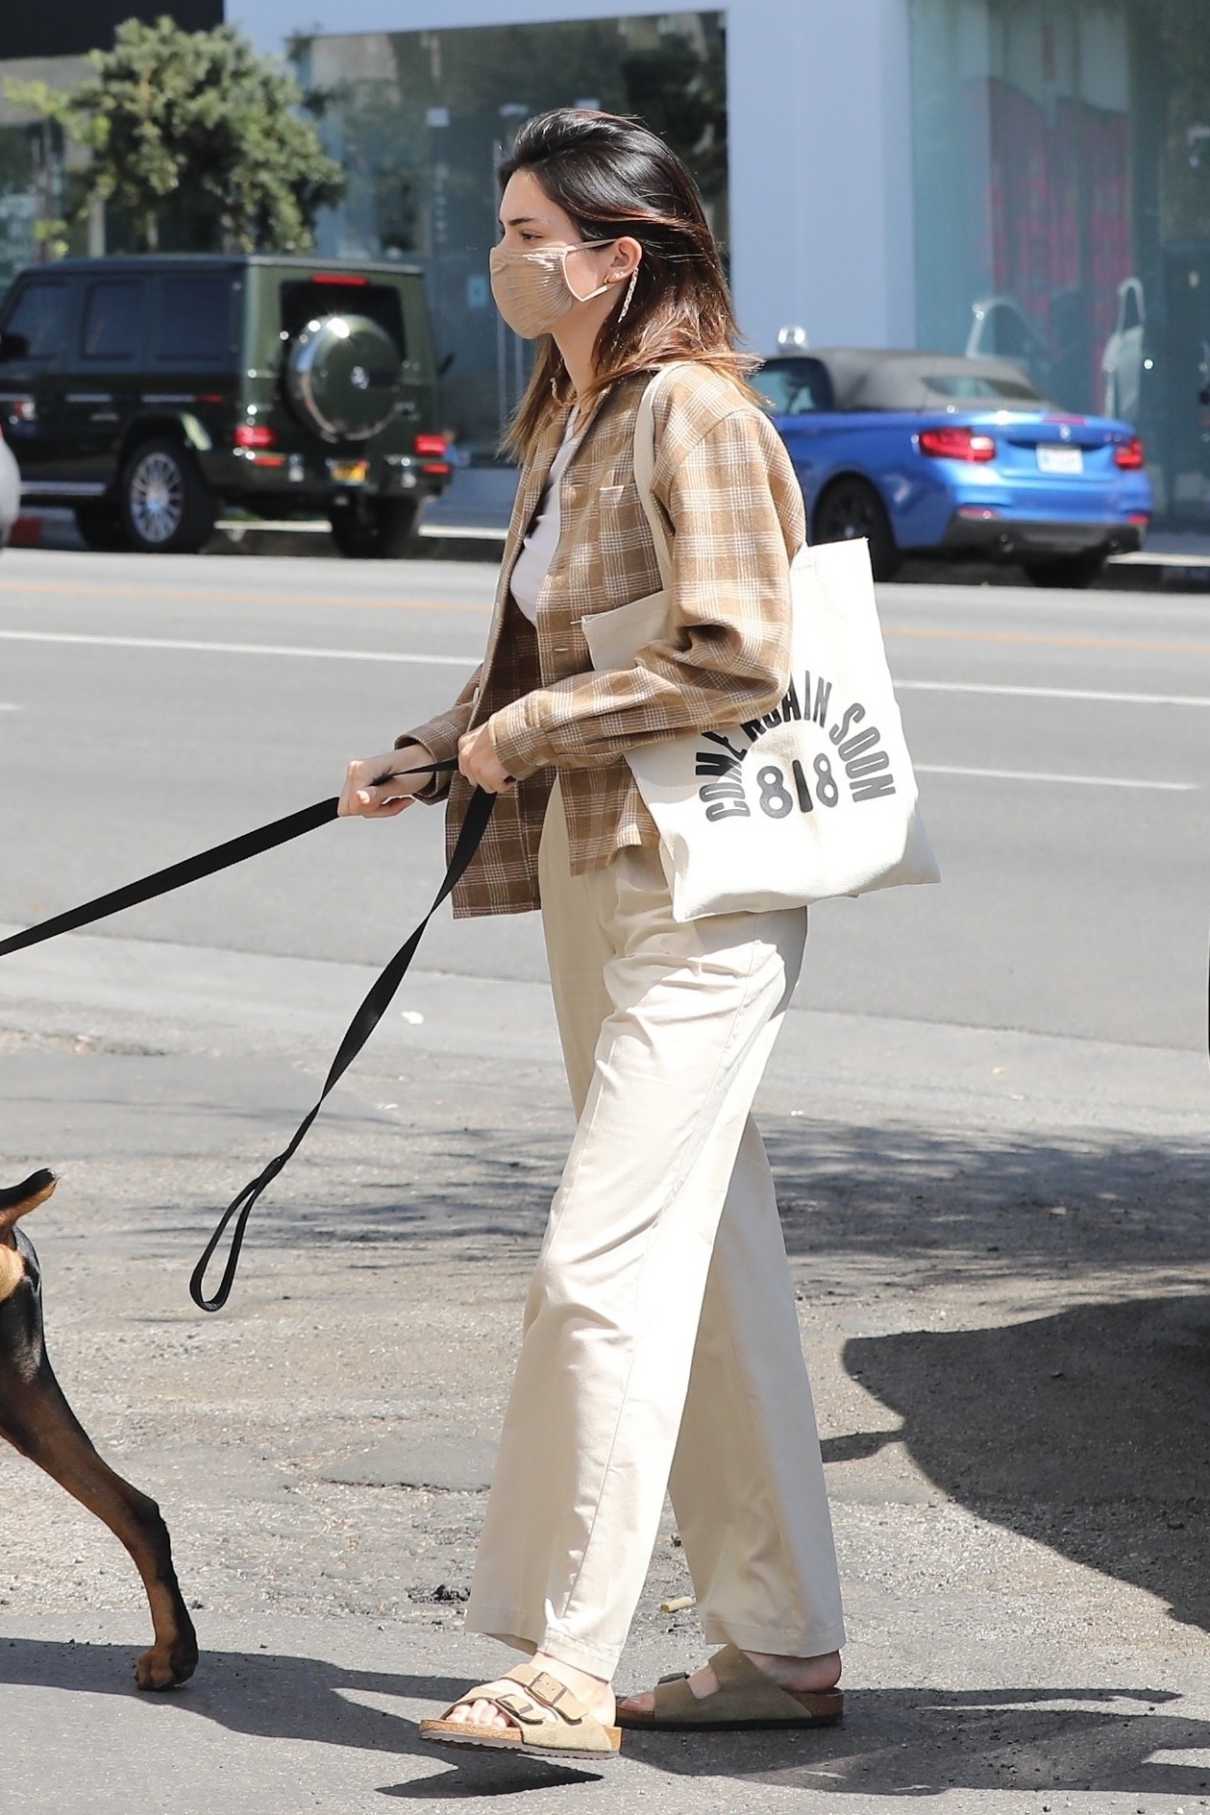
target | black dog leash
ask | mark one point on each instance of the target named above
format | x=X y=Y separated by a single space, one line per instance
x=191 y=869
x=370 y=1013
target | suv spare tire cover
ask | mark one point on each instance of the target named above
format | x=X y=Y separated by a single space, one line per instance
x=344 y=376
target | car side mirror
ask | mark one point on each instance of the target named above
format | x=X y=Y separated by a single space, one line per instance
x=14 y=346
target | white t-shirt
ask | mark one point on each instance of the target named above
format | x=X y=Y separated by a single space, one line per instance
x=538 y=550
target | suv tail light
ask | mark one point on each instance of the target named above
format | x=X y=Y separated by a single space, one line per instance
x=432 y=450
x=254 y=434
x=339 y=277
x=1129 y=455
x=957 y=444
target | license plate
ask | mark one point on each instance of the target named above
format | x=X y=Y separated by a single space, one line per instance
x=1060 y=460
x=349 y=472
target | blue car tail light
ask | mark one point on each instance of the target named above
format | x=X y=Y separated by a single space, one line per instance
x=957 y=444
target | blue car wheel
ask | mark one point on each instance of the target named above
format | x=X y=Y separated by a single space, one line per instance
x=849 y=508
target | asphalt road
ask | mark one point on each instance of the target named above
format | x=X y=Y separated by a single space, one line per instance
x=150 y=707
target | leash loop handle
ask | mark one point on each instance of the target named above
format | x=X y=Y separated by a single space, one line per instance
x=375 y=1004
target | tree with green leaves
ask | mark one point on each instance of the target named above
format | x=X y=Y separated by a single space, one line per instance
x=197 y=133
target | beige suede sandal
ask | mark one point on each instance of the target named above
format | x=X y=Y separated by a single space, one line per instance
x=547 y=1720
x=745 y=1700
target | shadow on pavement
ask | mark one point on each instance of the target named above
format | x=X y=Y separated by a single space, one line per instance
x=267 y=1695
x=898 y=1742
x=954 y=1206
x=990 y=1207
x=922 y=1742
x=1088 y=1431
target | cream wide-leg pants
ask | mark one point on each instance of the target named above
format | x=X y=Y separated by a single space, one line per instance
x=660 y=1346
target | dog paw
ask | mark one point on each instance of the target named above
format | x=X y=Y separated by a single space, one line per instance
x=165 y=1668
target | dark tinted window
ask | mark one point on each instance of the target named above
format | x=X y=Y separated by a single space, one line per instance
x=982 y=384
x=37 y=326
x=71 y=29
x=304 y=302
x=113 y=319
x=195 y=321
x=794 y=387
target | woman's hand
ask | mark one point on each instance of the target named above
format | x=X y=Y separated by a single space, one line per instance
x=479 y=763
x=366 y=796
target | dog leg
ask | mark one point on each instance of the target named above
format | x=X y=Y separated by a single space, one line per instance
x=37 y=1420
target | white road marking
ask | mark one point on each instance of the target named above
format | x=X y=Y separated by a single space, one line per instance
x=461 y=661
x=1055 y=693
x=330 y=655
x=1078 y=781
x=467 y=661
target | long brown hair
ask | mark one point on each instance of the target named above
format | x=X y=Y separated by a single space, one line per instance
x=615 y=177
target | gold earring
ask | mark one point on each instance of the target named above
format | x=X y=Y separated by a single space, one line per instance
x=624 y=311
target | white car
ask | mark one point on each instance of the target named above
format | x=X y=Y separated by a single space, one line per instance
x=1122 y=360
x=10 y=490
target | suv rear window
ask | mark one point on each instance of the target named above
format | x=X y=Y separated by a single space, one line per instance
x=195 y=321
x=37 y=326
x=794 y=387
x=308 y=299
x=113 y=319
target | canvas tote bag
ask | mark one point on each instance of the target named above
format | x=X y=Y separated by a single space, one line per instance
x=814 y=799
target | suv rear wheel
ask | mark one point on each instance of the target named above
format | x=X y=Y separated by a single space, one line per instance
x=166 y=506
x=373 y=529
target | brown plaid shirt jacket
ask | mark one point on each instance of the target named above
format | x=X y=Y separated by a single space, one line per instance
x=726 y=484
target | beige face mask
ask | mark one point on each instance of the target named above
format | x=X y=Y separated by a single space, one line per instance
x=532 y=290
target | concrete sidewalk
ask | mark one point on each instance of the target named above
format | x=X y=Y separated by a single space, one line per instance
x=1002 y=1259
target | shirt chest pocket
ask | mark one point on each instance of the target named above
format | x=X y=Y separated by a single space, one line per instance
x=629 y=567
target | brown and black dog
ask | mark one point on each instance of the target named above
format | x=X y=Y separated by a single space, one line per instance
x=37 y=1420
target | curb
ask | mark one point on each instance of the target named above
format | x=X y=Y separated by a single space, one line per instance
x=437 y=541
x=309 y=540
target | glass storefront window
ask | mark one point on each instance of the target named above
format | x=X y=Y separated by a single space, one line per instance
x=1062 y=177
x=421 y=120
x=31 y=191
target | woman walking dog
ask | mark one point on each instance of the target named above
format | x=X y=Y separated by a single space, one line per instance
x=660 y=1348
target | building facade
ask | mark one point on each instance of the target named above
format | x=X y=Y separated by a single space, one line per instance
x=1029 y=177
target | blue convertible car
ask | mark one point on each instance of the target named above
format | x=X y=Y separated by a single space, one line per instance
x=955 y=458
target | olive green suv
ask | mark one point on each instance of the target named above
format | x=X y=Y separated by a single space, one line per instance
x=147 y=393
